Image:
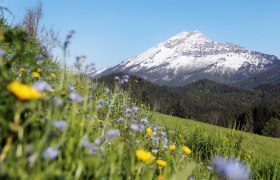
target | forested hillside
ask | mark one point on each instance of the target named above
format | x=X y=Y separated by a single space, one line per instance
x=252 y=110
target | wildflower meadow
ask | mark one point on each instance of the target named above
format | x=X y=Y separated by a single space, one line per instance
x=56 y=122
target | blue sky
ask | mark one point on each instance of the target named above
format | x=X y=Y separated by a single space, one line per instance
x=108 y=31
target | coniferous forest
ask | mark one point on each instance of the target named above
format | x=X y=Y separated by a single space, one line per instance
x=252 y=110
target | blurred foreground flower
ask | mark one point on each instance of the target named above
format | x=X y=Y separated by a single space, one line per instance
x=231 y=168
x=22 y=91
x=145 y=156
x=161 y=163
x=187 y=150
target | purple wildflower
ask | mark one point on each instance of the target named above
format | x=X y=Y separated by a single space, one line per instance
x=144 y=120
x=89 y=146
x=60 y=125
x=128 y=110
x=71 y=88
x=76 y=97
x=98 y=106
x=106 y=90
x=112 y=133
x=38 y=57
x=50 y=153
x=97 y=141
x=137 y=127
x=42 y=86
x=120 y=120
x=135 y=108
x=117 y=78
x=2 y=52
x=58 y=102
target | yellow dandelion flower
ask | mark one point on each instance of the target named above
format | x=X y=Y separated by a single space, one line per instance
x=53 y=75
x=81 y=87
x=35 y=74
x=22 y=91
x=187 y=150
x=172 y=147
x=21 y=69
x=161 y=163
x=39 y=70
x=149 y=132
x=145 y=156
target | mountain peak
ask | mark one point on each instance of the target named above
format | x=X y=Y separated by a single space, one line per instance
x=189 y=56
x=187 y=38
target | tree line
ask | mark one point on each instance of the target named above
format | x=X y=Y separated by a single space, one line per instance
x=253 y=110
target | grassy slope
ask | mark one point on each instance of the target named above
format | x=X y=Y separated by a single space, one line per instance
x=265 y=148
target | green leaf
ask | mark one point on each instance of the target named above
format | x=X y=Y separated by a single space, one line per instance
x=185 y=173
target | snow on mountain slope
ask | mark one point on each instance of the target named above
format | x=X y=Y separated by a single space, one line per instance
x=189 y=56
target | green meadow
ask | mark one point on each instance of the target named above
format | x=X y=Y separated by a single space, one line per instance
x=59 y=123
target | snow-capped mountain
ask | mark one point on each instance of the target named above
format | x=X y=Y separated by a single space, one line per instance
x=189 y=56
